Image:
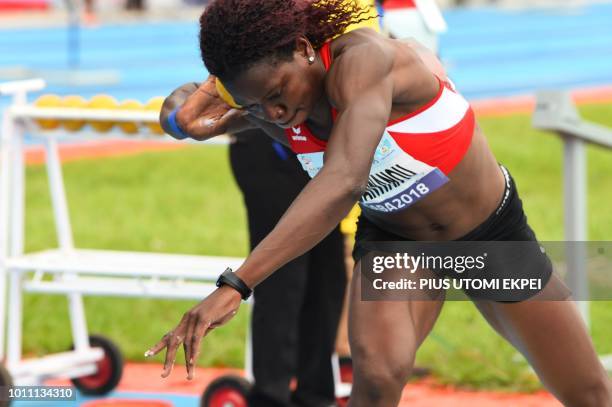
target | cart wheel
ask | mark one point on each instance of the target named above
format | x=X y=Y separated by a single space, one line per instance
x=346 y=369
x=226 y=391
x=5 y=381
x=110 y=368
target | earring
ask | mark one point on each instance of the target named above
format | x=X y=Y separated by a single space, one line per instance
x=311 y=59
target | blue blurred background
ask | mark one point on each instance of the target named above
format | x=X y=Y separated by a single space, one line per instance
x=489 y=51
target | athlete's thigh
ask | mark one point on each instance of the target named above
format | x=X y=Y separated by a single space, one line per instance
x=388 y=332
x=552 y=336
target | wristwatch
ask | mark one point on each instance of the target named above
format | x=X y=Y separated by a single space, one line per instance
x=228 y=277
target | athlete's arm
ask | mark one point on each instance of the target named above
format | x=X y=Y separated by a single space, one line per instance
x=172 y=101
x=203 y=114
x=360 y=87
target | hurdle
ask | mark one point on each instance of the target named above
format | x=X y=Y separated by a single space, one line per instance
x=68 y=270
x=555 y=111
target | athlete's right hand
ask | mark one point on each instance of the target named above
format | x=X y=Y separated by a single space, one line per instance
x=215 y=310
x=202 y=114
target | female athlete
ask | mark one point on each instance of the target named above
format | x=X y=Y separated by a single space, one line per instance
x=375 y=121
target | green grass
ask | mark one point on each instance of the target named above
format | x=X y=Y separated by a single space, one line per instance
x=186 y=202
x=181 y=202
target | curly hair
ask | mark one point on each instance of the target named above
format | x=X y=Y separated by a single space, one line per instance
x=236 y=34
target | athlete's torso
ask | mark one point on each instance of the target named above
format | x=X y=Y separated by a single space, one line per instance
x=415 y=154
x=472 y=188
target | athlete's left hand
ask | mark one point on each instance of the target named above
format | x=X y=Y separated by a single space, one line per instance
x=215 y=310
x=205 y=114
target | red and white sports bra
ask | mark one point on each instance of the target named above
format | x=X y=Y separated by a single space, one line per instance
x=415 y=153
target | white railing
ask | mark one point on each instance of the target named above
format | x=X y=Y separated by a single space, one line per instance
x=555 y=111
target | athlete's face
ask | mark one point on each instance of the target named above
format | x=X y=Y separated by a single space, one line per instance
x=281 y=92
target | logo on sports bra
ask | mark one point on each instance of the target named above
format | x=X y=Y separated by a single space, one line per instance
x=297 y=131
x=396 y=180
x=382 y=151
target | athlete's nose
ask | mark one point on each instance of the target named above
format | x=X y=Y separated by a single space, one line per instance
x=274 y=112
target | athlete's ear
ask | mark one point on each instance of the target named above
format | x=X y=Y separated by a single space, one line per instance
x=304 y=49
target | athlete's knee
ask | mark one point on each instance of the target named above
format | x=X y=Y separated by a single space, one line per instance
x=378 y=378
x=596 y=392
x=377 y=386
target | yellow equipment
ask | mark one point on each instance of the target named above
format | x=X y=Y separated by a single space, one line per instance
x=156 y=105
x=102 y=102
x=48 y=101
x=130 y=104
x=73 y=102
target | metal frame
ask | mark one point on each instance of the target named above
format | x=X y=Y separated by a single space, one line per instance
x=555 y=111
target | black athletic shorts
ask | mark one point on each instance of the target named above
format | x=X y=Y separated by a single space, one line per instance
x=508 y=223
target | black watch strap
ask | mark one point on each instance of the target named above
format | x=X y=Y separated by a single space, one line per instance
x=228 y=277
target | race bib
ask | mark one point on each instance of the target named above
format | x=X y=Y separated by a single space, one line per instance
x=396 y=180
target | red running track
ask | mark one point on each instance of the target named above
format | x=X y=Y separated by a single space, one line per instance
x=145 y=378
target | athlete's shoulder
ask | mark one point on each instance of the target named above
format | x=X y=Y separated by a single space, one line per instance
x=356 y=39
x=360 y=59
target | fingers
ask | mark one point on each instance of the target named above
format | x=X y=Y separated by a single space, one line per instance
x=205 y=114
x=157 y=347
x=173 y=343
x=233 y=114
x=190 y=351
x=194 y=325
x=196 y=329
x=187 y=342
x=210 y=86
x=217 y=125
x=201 y=102
x=200 y=332
x=207 y=126
x=197 y=104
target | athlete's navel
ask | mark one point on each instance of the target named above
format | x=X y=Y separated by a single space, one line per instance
x=437 y=227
